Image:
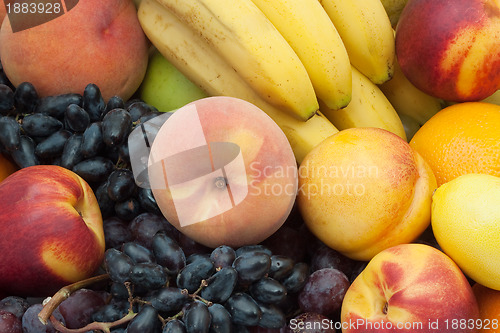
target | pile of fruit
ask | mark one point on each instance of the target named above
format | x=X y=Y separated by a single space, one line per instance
x=312 y=166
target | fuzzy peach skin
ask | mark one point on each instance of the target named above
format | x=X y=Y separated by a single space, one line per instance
x=450 y=49
x=51 y=229
x=98 y=42
x=410 y=288
x=267 y=184
x=363 y=190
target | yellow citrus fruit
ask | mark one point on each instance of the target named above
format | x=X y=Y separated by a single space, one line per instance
x=465 y=218
x=460 y=139
x=488 y=301
x=6 y=167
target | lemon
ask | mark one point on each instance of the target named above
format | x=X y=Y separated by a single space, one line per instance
x=465 y=218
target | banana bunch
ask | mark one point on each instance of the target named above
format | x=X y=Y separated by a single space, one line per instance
x=288 y=57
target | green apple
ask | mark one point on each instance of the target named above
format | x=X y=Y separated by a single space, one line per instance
x=165 y=87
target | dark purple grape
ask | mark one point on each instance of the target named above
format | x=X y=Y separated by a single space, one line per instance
x=95 y=169
x=145 y=225
x=148 y=116
x=76 y=118
x=14 y=304
x=137 y=252
x=221 y=285
x=325 y=257
x=118 y=265
x=93 y=102
x=310 y=322
x=114 y=102
x=25 y=98
x=148 y=275
x=92 y=144
x=124 y=152
x=31 y=323
x=221 y=319
x=297 y=277
x=147 y=200
x=118 y=291
x=10 y=133
x=55 y=106
x=71 y=154
x=139 y=109
x=116 y=125
x=106 y=205
x=197 y=256
x=253 y=249
x=281 y=266
x=168 y=253
x=196 y=318
x=243 y=309
x=252 y=266
x=53 y=145
x=40 y=125
x=267 y=290
x=146 y=321
x=6 y=100
x=324 y=291
x=78 y=308
x=174 y=326
x=128 y=209
x=190 y=246
x=116 y=232
x=9 y=323
x=112 y=311
x=271 y=316
x=24 y=156
x=168 y=299
x=223 y=256
x=192 y=274
x=121 y=184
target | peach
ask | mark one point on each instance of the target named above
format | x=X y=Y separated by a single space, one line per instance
x=223 y=172
x=51 y=229
x=363 y=190
x=98 y=42
x=410 y=288
x=450 y=49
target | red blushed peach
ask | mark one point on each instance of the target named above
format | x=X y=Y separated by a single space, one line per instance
x=51 y=229
x=450 y=49
x=222 y=172
x=98 y=42
x=410 y=288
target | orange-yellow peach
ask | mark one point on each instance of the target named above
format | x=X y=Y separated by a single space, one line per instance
x=223 y=172
x=410 y=288
x=96 y=41
x=363 y=190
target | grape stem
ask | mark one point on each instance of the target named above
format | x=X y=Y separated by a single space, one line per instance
x=101 y=326
x=64 y=293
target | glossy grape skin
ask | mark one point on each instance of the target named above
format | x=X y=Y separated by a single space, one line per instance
x=325 y=257
x=31 y=323
x=6 y=99
x=10 y=133
x=25 y=98
x=252 y=266
x=220 y=285
x=168 y=299
x=309 y=322
x=116 y=125
x=53 y=145
x=92 y=142
x=192 y=274
x=128 y=209
x=223 y=256
x=139 y=109
x=267 y=290
x=324 y=291
x=71 y=154
x=145 y=226
x=40 y=125
x=24 y=156
x=9 y=323
x=118 y=265
x=271 y=316
x=146 y=321
x=78 y=308
x=147 y=201
x=55 y=106
x=243 y=309
x=111 y=311
x=174 y=326
x=281 y=266
x=95 y=169
x=168 y=253
x=137 y=252
x=116 y=232
x=14 y=304
x=76 y=118
x=253 y=249
x=221 y=319
x=121 y=184
x=196 y=318
x=148 y=276
x=93 y=102
x=297 y=277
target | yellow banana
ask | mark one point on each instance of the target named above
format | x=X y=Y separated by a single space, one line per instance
x=408 y=99
x=367 y=35
x=311 y=34
x=195 y=58
x=368 y=108
x=250 y=43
